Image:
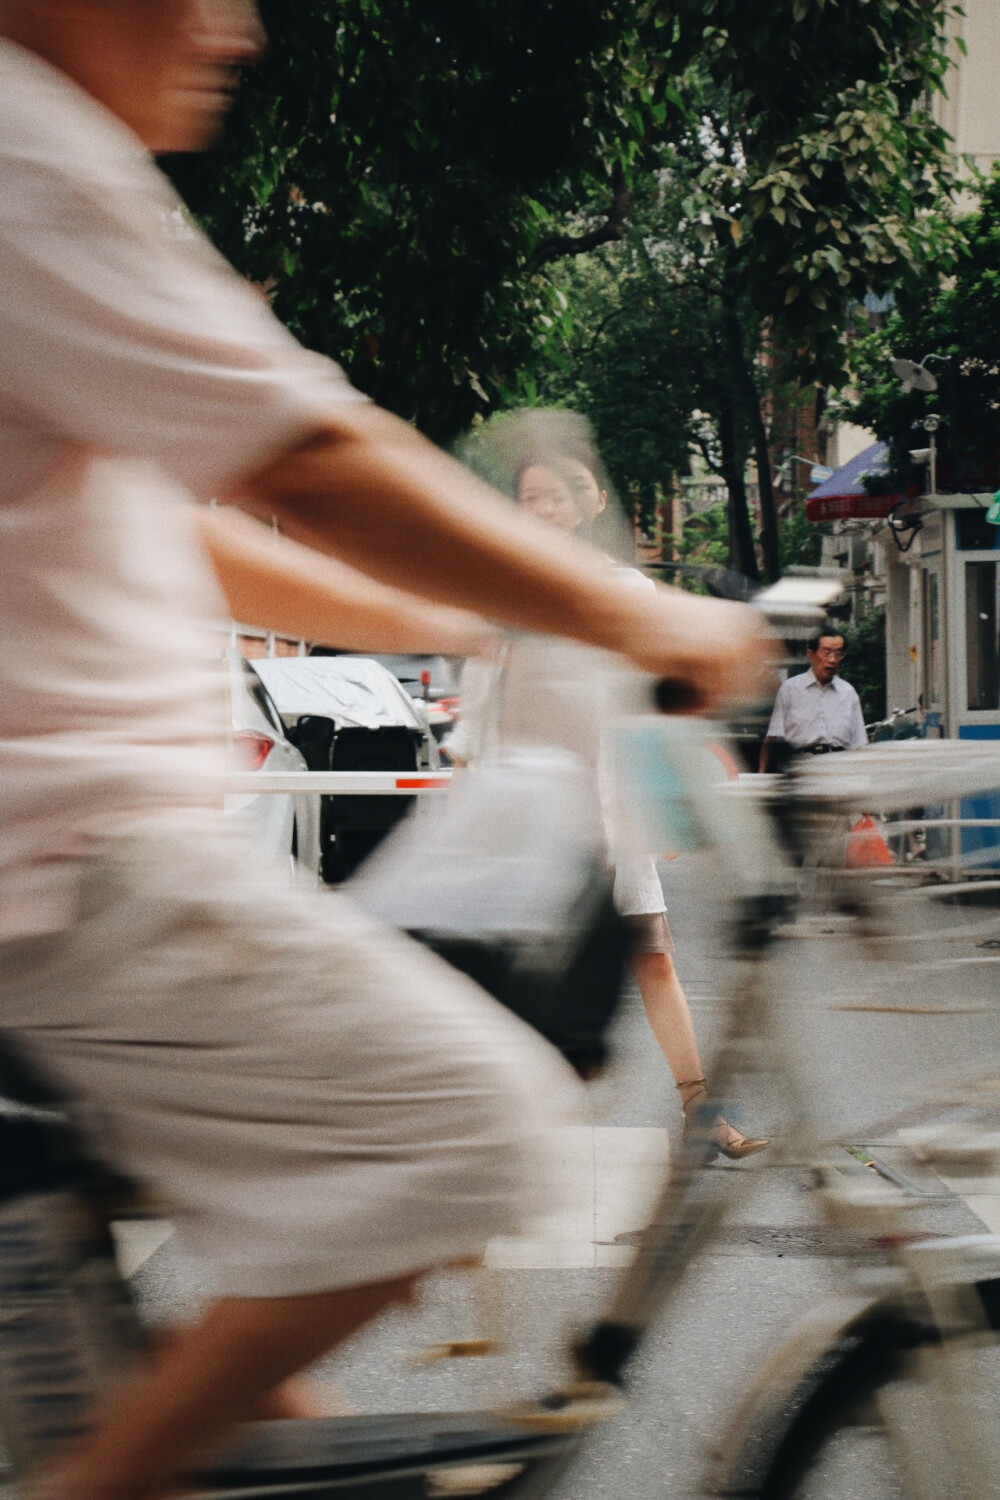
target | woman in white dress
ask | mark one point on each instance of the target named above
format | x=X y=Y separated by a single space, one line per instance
x=568 y=492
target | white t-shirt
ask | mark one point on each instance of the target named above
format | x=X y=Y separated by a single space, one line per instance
x=136 y=370
x=546 y=691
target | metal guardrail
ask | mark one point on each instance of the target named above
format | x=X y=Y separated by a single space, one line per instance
x=323 y=783
x=954 y=866
x=905 y=825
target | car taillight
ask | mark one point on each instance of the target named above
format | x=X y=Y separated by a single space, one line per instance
x=252 y=748
x=450 y=705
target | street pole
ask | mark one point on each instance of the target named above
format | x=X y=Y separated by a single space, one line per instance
x=930 y=424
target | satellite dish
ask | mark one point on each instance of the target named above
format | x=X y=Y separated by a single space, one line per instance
x=914 y=377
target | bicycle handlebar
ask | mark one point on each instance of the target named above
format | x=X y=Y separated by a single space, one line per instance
x=674 y=696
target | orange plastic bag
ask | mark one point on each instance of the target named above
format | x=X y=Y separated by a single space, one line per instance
x=866 y=848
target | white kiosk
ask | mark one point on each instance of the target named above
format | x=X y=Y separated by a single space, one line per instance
x=943 y=637
x=941 y=560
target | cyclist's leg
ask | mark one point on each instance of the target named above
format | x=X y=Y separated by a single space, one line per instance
x=330 y=1108
x=299 y=1398
x=209 y=1378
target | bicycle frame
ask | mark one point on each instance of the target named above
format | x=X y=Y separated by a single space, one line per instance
x=929 y=1302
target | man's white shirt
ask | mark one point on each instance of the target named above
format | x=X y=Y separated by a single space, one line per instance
x=808 y=712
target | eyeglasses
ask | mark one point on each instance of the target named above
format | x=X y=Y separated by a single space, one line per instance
x=829 y=654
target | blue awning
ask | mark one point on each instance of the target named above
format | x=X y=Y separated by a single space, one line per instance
x=847 y=480
x=845 y=496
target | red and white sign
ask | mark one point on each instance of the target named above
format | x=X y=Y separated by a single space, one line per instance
x=850 y=507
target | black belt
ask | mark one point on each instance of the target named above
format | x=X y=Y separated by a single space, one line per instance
x=821 y=747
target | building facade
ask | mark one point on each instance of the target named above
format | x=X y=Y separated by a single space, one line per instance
x=970 y=111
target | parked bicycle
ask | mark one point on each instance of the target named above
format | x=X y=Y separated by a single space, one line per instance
x=897 y=725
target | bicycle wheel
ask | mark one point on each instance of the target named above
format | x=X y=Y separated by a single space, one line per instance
x=828 y=1440
x=835 y=1444
x=894 y=1407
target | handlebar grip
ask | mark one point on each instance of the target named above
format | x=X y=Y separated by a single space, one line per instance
x=673 y=696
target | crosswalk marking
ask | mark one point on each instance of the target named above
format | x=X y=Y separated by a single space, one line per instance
x=981 y=1194
x=137 y=1240
x=612 y=1175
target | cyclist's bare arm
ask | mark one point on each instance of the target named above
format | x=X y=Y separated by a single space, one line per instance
x=386 y=501
x=280 y=585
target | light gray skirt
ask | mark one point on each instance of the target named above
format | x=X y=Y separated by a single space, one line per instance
x=321 y=1102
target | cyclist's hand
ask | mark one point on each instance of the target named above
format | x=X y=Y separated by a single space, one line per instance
x=719 y=655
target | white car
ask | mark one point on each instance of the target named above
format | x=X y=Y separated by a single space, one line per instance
x=348 y=713
x=283 y=827
x=438 y=697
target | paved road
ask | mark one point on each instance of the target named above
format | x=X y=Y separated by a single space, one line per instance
x=867 y=1036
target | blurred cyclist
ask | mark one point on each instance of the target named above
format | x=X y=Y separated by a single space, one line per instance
x=329 y=1110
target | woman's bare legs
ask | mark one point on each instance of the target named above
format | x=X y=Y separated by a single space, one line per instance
x=668 y=1013
x=204 y=1381
x=670 y=1021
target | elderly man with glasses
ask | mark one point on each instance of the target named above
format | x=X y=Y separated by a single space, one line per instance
x=816 y=712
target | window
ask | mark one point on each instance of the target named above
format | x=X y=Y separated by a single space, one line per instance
x=981 y=654
x=973 y=533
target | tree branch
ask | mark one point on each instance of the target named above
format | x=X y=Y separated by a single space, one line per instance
x=616 y=312
x=612 y=231
x=707 y=455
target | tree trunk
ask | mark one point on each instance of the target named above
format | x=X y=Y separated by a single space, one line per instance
x=768 y=507
x=742 y=371
x=742 y=555
x=745 y=381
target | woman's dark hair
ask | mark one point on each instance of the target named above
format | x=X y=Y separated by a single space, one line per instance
x=568 y=435
x=501 y=448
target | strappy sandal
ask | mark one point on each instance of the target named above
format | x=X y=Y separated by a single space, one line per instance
x=725 y=1138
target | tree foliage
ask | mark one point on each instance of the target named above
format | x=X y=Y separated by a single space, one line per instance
x=865 y=662
x=952 y=321
x=828 y=170
x=391 y=169
x=406 y=176
x=784 y=188
x=812 y=174
x=776 y=195
x=647 y=356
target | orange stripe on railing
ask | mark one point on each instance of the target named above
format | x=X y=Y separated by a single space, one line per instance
x=412 y=783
